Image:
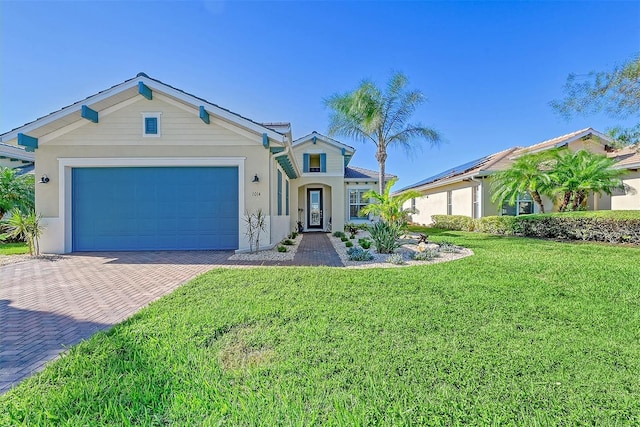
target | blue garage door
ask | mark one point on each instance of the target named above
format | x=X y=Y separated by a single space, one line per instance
x=155 y=208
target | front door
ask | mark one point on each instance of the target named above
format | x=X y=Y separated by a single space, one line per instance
x=314 y=208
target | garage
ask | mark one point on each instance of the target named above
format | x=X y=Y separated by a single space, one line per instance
x=154 y=208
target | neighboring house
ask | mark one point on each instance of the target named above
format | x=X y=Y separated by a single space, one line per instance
x=16 y=158
x=466 y=189
x=628 y=158
x=145 y=166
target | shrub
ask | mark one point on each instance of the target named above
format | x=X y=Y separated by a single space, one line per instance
x=344 y=238
x=293 y=235
x=352 y=229
x=365 y=243
x=426 y=255
x=448 y=247
x=348 y=243
x=397 y=259
x=495 y=224
x=339 y=234
x=287 y=242
x=601 y=226
x=282 y=249
x=453 y=222
x=359 y=254
x=385 y=235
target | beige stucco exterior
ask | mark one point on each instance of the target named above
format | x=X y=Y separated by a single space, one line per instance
x=185 y=140
x=629 y=199
x=460 y=188
x=330 y=181
x=189 y=134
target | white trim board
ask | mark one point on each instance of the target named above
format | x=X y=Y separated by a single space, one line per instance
x=66 y=164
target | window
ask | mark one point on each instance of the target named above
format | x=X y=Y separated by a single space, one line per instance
x=449 y=203
x=286 y=198
x=151 y=124
x=413 y=204
x=315 y=162
x=523 y=206
x=475 y=198
x=356 y=203
x=279 y=201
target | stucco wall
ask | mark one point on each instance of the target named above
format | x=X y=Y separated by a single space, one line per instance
x=118 y=135
x=434 y=202
x=630 y=198
x=333 y=200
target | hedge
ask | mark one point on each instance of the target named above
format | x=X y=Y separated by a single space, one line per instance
x=453 y=222
x=615 y=228
x=599 y=226
x=495 y=224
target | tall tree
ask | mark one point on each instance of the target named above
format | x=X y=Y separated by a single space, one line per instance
x=577 y=175
x=615 y=92
x=382 y=117
x=529 y=173
x=16 y=191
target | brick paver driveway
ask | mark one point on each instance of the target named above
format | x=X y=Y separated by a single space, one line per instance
x=47 y=305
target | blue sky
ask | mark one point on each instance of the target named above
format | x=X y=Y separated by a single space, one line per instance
x=488 y=69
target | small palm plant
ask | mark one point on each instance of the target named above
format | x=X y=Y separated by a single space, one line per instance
x=577 y=175
x=25 y=226
x=530 y=173
x=388 y=207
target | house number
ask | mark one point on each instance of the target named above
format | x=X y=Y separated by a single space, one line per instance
x=255 y=194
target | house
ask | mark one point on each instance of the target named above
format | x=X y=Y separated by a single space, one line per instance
x=629 y=198
x=16 y=158
x=146 y=166
x=466 y=189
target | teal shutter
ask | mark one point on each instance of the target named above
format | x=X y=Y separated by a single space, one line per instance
x=286 y=197
x=323 y=162
x=305 y=163
x=279 y=192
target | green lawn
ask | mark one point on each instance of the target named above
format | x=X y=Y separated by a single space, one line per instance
x=14 y=248
x=526 y=333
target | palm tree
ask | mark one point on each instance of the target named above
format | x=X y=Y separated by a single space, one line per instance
x=530 y=173
x=389 y=207
x=369 y=114
x=576 y=175
x=16 y=191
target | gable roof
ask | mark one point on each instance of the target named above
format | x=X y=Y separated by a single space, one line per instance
x=474 y=167
x=627 y=157
x=126 y=90
x=353 y=172
x=484 y=165
x=324 y=139
x=563 y=140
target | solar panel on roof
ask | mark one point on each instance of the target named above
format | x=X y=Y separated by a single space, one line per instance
x=450 y=172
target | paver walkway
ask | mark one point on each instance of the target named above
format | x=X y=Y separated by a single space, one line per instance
x=49 y=305
x=316 y=249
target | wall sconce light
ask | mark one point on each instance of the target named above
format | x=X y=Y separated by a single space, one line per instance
x=44 y=179
x=256 y=179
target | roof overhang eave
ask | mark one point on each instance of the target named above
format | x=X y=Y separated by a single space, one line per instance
x=154 y=85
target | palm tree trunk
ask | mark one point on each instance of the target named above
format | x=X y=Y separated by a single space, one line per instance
x=536 y=198
x=381 y=156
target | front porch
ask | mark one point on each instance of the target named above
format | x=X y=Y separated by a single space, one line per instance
x=320 y=207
